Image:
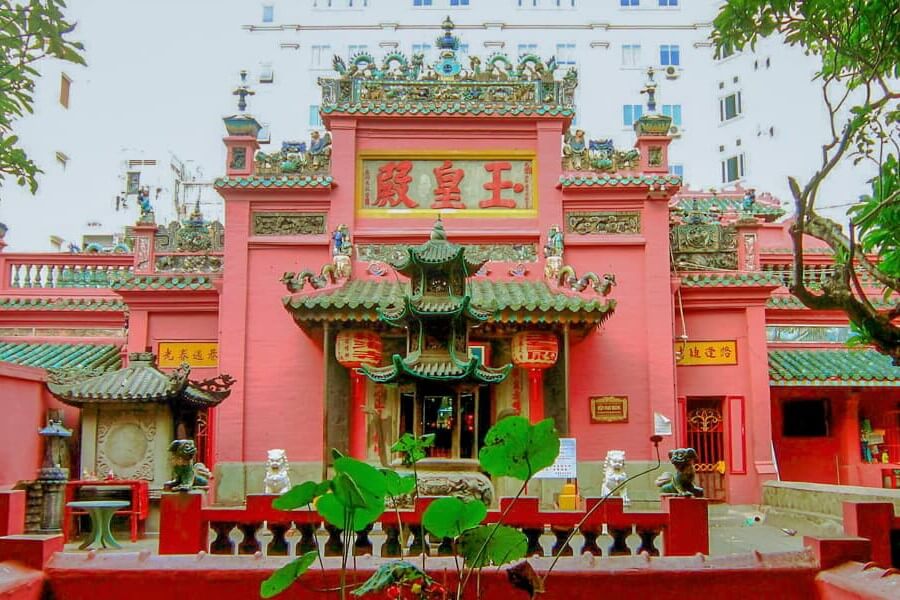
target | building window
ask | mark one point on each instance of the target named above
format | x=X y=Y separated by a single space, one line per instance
x=423 y=49
x=533 y=3
x=729 y=107
x=62 y=159
x=674 y=111
x=315 y=119
x=421 y=2
x=668 y=2
x=356 y=49
x=725 y=52
x=565 y=3
x=463 y=49
x=65 y=84
x=459 y=2
x=266 y=73
x=732 y=168
x=677 y=170
x=132 y=182
x=320 y=56
x=669 y=54
x=268 y=15
x=565 y=54
x=527 y=49
x=631 y=55
x=629 y=3
x=804 y=418
x=631 y=113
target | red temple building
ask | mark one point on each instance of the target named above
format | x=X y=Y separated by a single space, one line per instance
x=449 y=251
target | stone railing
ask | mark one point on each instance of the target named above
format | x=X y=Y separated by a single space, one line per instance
x=60 y=271
x=682 y=527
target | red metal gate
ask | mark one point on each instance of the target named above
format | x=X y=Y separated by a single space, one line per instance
x=706 y=435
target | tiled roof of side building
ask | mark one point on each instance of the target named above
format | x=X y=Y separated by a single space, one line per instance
x=832 y=367
x=94 y=304
x=61 y=356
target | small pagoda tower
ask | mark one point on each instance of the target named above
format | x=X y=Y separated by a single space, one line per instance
x=436 y=313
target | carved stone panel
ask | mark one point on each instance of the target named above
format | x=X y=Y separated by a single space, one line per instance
x=704 y=245
x=604 y=222
x=126 y=442
x=281 y=223
x=516 y=253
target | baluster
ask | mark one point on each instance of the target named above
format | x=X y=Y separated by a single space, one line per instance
x=619 y=546
x=647 y=538
x=419 y=543
x=534 y=541
x=77 y=276
x=26 y=276
x=562 y=534
x=38 y=276
x=65 y=278
x=334 y=546
x=16 y=282
x=53 y=276
x=391 y=547
x=279 y=545
x=249 y=545
x=590 y=541
x=222 y=544
x=88 y=276
x=363 y=545
x=307 y=541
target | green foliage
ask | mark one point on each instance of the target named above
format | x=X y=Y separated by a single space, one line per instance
x=482 y=547
x=396 y=485
x=450 y=517
x=396 y=571
x=357 y=493
x=878 y=217
x=30 y=30
x=412 y=448
x=515 y=448
x=282 y=579
x=300 y=495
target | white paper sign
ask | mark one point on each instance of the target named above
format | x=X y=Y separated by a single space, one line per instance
x=565 y=465
x=662 y=425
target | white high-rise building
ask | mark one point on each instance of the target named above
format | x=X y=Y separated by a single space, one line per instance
x=159 y=78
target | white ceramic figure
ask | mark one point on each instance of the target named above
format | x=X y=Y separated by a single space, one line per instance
x=614 y=475
x=277 y=480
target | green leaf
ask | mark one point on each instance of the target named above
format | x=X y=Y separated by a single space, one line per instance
x=282 y=579
x=396 y=485
x=504 y=546
x=449 y=517
x=366 y=476
x=515 y=448
x=297 y=497
x=412 y=448
x=333 y=511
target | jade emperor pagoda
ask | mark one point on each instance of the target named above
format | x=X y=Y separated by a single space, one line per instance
x=449 y=251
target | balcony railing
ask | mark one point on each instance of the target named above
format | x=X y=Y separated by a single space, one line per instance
x=57 y=271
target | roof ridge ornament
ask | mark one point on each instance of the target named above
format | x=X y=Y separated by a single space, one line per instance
x=242 y=91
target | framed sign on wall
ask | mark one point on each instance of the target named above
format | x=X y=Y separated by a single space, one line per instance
x=609 y=409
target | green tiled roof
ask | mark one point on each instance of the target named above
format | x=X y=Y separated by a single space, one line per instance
x=448 y=109
x=61 y=356
x=307 y=181
x=164 y=282
x=516 y=301
x=838 y=367
x=96 y=304
x=724 y=204
x=756 y=278
x=614 y=180
x=791 y=302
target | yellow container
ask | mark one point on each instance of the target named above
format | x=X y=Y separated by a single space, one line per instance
x=568 y=498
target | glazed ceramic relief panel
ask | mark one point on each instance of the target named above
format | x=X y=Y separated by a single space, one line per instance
x=131 y=442
x=473 y=184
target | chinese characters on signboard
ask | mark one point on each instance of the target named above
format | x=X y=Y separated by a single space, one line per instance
x=447 y=183
x=722 y=352
x=196 y=354
x=609 y=409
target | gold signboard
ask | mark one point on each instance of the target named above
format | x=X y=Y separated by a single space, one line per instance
x=470 y=183
x=609 y=409
x=196 y=354
x=721 y=352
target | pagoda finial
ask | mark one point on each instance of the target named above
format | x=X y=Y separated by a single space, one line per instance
x=196 y=216
x=437 y=232
x=242 y=91
x=448 y=41
x=650 y=90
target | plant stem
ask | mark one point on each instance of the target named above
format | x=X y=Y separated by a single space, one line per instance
x=316 y=542
x=415 y=502
x=348 y=520
x=590 y=512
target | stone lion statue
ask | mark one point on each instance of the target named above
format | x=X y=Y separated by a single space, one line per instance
x=681 y=483
x=615 y=475
x=186 y=475
x=277 y=480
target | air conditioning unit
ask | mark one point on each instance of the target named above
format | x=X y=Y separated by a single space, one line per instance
x=675 y=131
x=672 y=72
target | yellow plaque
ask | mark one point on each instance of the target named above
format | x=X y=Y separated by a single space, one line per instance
x=609 y=409
x=196 y=354
x=720 y=352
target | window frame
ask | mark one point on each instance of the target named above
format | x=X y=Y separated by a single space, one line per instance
x=674 y=111
x=668 y=52
x=65 y=90
x=723 y=106
x=315 y=116
x=629 y=109
x=634 y=50
x=268 y=14
x=740 y=167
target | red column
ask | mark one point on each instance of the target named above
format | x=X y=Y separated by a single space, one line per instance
x=688 y=530
x=536 y=395
x=849 y=433
x=357 y=415
x=182 y=529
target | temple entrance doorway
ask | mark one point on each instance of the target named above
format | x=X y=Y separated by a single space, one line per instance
x=458 y=416
x=706 y=434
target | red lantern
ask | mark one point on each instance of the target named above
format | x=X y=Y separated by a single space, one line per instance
x=535 y=351
x=354 y=348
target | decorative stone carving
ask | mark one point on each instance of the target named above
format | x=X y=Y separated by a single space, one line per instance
x=604 y=222
x=178 y=237
x=277 y=480
x=750 y=252
x=199 y=263
x=553 y=252
x=600 y=284
x=654 y=156
x=296 y=159
x=125 y=443
x=281 y=223
x=186 y=475
x=700 y=246
x=466 y=485
x=681 y=483
x=514 y=253
x=605 y=158
x=576 y=156
x=238 y=159
x=615 y=475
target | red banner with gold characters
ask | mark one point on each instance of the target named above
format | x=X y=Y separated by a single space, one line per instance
x=721 y=352
x=196 y=354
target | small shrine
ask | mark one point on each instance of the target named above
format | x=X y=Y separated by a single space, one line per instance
x=130 y=416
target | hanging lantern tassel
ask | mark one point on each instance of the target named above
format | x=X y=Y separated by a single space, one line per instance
x=535 y=351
